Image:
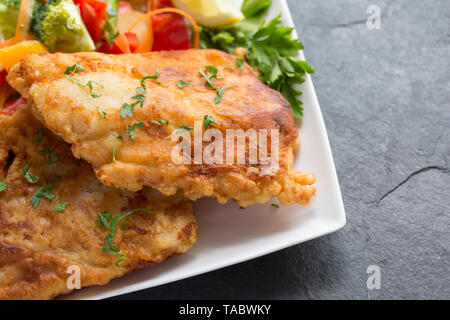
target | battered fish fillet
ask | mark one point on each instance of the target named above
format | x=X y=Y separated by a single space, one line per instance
x=73 y=110
x=38 y=245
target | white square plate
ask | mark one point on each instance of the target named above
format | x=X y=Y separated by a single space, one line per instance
x=229 y=235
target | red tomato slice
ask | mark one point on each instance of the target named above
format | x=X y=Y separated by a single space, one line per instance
x=11 y=106
x=124 y=7
x=3 y=75
x=170 y=31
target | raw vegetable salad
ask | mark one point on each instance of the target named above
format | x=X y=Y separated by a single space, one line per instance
x=135 y=26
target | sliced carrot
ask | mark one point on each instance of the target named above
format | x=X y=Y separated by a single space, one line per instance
x=196 y=40
x=23 y=21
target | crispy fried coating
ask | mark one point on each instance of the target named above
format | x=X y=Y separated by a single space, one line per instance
x=38 y=245
x=70 y=110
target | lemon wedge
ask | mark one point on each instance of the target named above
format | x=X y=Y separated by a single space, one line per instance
x=211 y=13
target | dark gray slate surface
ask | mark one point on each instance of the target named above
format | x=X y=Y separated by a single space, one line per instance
x=385 y=96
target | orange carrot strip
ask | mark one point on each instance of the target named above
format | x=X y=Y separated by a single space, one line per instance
x=23 y=21
x=122 y=43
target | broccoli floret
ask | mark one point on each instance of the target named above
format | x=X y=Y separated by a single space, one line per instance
x=9 y=13
x=58 y=25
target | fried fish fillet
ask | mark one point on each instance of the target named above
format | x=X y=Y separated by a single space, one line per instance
x=75 y=110
x=39 y=246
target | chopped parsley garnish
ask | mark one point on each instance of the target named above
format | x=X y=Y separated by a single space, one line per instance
x=131 y=129
x=102 y=113
x=220 y=93
x=75 y=68
x=160 y=122
x=156 y=76
x=77 y=81
x=229 y=69
x=39 y=137
x=212 y=71
x=106 y=219
x=127 y=110
x=61 y=206
x=49 y=155
x=275 y=205
x=239 y=62
x=184 y=128
x=207 y=120
x=3 y=186
x=140 y=94
x=114 y=154
x=182 y=83
x=90 y=84
x=117 y=264
x=45 y=191
x=31 y=178
x=120 y=137
x=212 y=74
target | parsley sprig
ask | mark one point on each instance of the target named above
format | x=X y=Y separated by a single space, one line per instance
x=106 y=219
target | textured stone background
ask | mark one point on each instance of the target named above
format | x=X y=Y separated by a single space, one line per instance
x=385 y=96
